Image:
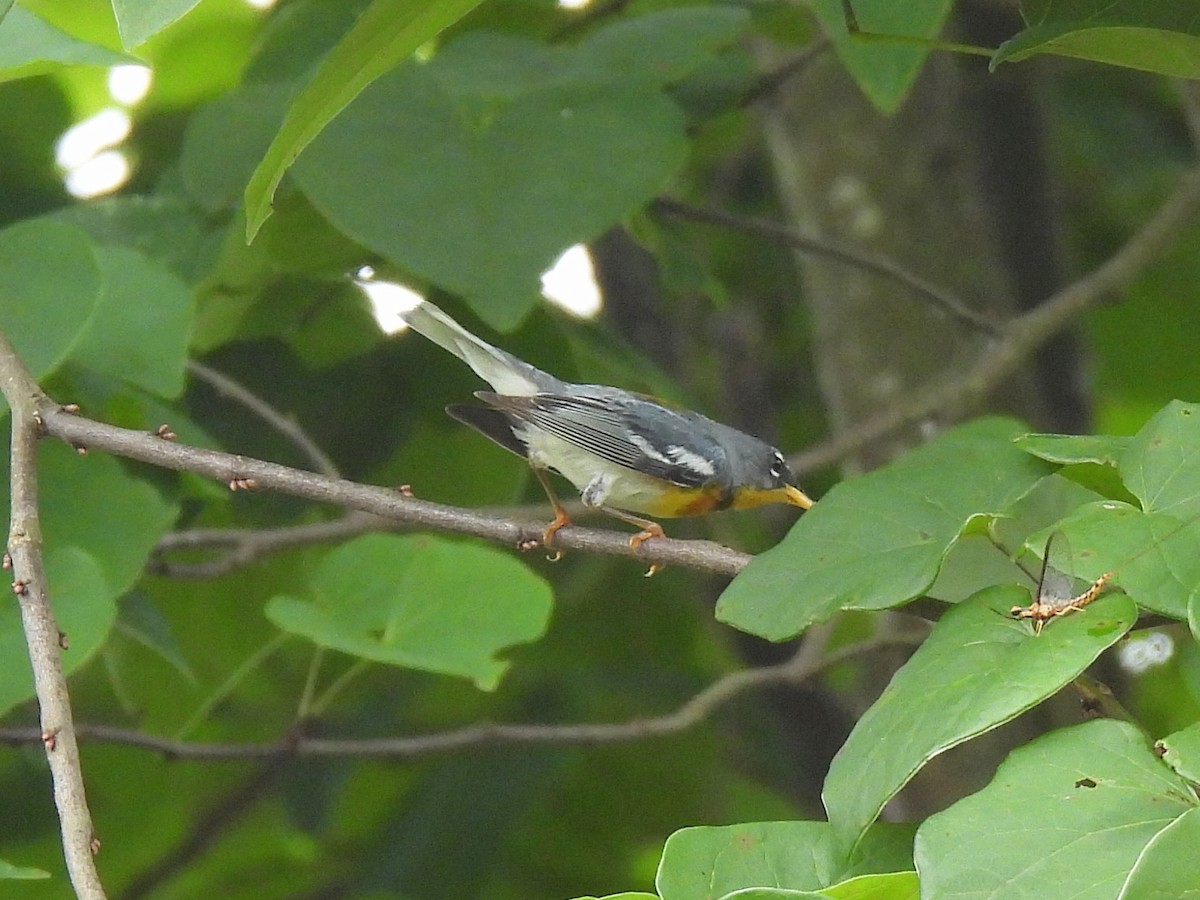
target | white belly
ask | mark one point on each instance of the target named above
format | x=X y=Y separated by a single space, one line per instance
x=621 y=488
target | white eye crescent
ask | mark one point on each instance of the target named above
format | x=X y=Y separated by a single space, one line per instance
x=779 y=468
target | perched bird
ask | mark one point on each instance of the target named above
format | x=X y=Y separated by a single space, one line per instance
x=625 y=452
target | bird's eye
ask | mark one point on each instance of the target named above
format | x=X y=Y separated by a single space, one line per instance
x=779 y=467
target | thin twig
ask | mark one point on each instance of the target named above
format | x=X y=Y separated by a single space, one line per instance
x=1024 y=334
x=245 y=546
x=860 y=259
x=288 y=427
x=42 y=636
x=246 y=472
x=234 y=805
x=701 y=706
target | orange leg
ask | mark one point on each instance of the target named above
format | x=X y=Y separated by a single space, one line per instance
x=561 y=519
x=649 y=530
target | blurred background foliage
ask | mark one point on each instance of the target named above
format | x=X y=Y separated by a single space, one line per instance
x=461 y=177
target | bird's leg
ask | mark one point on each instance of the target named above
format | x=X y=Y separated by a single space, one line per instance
x=649 y=529
x=593 y=496
x=561 y=519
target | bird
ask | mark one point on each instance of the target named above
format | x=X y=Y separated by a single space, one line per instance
x=626 y=453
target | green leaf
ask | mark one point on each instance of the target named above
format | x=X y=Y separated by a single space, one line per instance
x=978 y=669
x=165 y=228
x=139 y=20
x=215 y=172
x=773 y=894
x=387 y=32
x=663 y=47
x=84 y=607
x=890 y=886
x=7 y=869
x=91 y=502
x=1181 y=751
x=420 y=602
x=1160 y=36
x=1074 y=809
x=1068 y=449
x=1155 y=557
x=31 y=46
x=512 y=185
x=626 y=895
x=879 y=540
x=885 y=71
x=1166 y=870
x=1161 y=464
x=139 y=330
x=704 y=863
x=49 y=285
x=140 y=620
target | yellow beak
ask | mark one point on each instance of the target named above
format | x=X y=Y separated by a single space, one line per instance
x=797 y=497
x=747 y=498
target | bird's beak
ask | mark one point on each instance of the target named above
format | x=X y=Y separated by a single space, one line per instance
x=797 y=497
x=748 y=498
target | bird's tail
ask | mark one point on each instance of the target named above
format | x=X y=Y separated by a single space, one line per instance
x=503 y=371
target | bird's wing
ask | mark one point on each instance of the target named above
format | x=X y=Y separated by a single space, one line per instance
x=623 y=429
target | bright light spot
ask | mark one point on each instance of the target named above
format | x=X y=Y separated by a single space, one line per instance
x=574 y=4
x=571 y=283
x=1141 y=653
x=261 y=4
x=85 y=139
x=129 y=85
x=388 y=300
x=102 y=174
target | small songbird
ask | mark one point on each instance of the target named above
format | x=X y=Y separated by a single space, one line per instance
x=625 y=452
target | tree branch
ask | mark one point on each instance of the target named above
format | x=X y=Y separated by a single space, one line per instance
x=860 y=259
x=246 y=472
x=286 y=426
x=41 y=629
x=244 y=546
x=1025 y=334
x=802 y=666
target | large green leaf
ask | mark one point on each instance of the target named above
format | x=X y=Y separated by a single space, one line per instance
x=387 y=32
x=93 y=503
x=31 y=46
x=523 y=168
x=1161 y=465
x=421 y=602
x=1076 y=810
x=879 y=540
x=49 y=285
x=1166 y=870
x=139 y=329
x=139 y=20
x=978 y=669
x=1160 y=36
x=705 y=863
x=884 y=70
x=214 y=170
